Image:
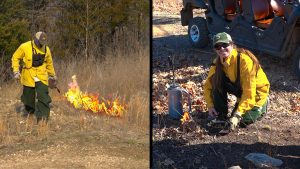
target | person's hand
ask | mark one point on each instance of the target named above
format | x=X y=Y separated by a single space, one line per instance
x=53 y=78
x=212 y=112
x=17 y=75
x=52 y=82
x=234 y=121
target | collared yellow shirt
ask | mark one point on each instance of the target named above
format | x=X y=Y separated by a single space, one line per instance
x=255 y=86
x=24 y=54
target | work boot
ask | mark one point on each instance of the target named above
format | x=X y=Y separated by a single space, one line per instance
x=22 y=110
x=25 y=113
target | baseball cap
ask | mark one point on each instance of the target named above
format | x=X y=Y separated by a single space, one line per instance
x=222 y=37
x=41 y=37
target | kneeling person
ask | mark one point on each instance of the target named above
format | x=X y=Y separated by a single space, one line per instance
x=238 y=72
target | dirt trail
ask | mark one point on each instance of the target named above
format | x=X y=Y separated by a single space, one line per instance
x=92 y=150
x=276 y=134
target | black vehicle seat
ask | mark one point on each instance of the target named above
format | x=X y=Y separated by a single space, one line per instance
x=259 y=12
x=226 y=8
x=278 y=7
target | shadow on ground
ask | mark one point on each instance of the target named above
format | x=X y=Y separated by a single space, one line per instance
x=165 y=20
x=174 y=154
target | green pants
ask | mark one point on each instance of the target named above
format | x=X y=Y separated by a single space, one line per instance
x=41 y=108
x=254 y=114
x=221 y=106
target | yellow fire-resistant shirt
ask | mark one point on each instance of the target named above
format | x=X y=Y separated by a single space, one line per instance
x=24 y=53
x=255 y=87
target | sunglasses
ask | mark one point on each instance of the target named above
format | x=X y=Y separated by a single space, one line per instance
x=220 y=45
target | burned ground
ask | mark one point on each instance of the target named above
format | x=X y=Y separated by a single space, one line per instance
x=277 y=134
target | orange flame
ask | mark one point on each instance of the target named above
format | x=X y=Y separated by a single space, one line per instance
x=185 y=117
x=90 y=102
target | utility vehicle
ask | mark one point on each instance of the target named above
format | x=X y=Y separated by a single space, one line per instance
x=268 y=26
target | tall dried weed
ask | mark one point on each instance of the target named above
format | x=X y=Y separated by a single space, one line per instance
x=3 y=127
x=122 y=72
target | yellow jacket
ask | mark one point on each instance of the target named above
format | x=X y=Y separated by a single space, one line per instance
x=255 y=87
x=24 y=53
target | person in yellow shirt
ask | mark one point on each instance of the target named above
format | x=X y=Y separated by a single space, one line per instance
x=37 y=68
x=236 y=71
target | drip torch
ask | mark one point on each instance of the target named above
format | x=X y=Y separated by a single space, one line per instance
x=175 y=93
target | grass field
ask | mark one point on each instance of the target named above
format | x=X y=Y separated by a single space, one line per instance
x=83 y=135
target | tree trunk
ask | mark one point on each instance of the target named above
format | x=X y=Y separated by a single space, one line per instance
x=87 y=31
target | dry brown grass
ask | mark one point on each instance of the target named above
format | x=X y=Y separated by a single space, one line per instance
x=124 y=75
x=3 y=128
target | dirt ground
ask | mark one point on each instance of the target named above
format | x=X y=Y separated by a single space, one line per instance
x=277 y=134
x=101 y=149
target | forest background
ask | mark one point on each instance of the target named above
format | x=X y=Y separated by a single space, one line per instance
x=74 y=27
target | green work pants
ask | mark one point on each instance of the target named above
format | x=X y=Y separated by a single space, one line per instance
x=41 y=108
x=221 y=106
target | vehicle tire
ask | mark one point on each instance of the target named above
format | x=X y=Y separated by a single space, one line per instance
x=198 y=32
x=297 y=62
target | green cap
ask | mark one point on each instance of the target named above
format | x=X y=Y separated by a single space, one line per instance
x=41 y=37
x=222 y=37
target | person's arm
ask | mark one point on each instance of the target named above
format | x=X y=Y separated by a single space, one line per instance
x=16 y=58
x=208 y=88
x=248 y=84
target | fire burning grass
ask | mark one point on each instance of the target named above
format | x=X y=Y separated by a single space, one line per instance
x=90 y=102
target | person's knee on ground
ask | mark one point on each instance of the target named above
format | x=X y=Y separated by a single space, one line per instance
x=255 y=114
